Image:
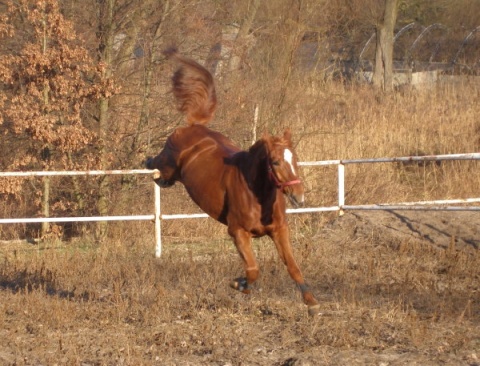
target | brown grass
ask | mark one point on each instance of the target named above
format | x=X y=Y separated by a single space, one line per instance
x=81 y=303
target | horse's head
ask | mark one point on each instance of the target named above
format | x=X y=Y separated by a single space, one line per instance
x=166 y=163
x=282 y=164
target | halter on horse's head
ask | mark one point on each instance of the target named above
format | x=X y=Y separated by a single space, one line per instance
x=282 y=167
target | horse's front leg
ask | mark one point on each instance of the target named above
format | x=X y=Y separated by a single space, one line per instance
x=281 y=238
x=243 y=243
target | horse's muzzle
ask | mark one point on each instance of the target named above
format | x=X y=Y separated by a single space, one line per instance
x=296 y=201
x=162 y=183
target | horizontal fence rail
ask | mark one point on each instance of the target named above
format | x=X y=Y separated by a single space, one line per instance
x=157 y=216
x=404 y=159
x=437 y=205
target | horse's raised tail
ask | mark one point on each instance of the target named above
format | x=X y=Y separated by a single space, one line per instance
x=193 y=89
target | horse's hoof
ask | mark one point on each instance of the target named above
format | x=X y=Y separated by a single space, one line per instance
x=314 y=310
x=240 y=284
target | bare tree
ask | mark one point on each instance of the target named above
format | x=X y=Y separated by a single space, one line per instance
x=383 y=72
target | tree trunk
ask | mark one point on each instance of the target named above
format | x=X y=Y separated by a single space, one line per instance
x=103 y=187
x=225 y=56
x=106 y=34
x=241 y=42
x=383 y=73
x=147 y=86
x=46 y=180
x=45 y=205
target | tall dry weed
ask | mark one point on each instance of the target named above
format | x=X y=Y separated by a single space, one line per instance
x=340 y=121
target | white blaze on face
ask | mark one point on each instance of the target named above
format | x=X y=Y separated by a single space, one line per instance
x=288 y=156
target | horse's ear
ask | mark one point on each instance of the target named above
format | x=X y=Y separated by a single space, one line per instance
x=287 y=135
x=267 y=138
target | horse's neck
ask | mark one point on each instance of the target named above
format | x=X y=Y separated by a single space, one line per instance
x=260 y=182
x=257 y=165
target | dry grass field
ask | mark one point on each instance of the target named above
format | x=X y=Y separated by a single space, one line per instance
x=389 y=296
x=396 y=288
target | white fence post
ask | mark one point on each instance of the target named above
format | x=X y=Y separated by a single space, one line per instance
x=341 y=188
x=158 y=228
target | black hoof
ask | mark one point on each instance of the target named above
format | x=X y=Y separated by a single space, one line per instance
x=241 y=285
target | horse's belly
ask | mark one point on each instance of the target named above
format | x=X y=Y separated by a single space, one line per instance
x=210 y=199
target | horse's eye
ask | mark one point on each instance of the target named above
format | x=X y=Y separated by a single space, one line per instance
x=276 y=163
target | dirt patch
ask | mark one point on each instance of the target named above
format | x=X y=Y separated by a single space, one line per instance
x=396 y=288
x=433 y=227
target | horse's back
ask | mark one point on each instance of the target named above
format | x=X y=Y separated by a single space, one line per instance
x=199 y=135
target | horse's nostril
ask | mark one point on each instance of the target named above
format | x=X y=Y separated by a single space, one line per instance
x=302 y=200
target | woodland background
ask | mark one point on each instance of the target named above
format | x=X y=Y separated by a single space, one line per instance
x=83 y=85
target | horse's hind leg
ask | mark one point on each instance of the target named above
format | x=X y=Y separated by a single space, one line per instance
x=243 y=242
x=281 y=239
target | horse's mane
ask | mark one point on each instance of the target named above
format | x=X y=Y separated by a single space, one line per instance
x=193 y=88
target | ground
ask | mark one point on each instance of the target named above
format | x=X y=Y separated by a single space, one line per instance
x=395 y=288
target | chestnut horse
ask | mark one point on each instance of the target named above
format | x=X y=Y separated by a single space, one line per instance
x=241 y=189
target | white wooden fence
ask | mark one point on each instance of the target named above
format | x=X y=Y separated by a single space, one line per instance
x=157 y=216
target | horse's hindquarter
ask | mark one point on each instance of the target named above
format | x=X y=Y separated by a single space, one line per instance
x=203 y=170
x=207 y=190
